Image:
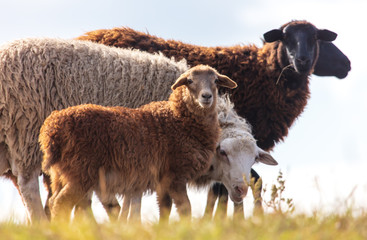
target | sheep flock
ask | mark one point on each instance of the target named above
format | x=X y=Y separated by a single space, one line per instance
x=123 y=74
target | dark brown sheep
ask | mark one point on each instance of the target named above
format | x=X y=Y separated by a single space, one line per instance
x=160 y=146
x=271 y=101
x=273 y=81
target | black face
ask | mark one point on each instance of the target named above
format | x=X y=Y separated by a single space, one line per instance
x=301 y=45
x=331 y=61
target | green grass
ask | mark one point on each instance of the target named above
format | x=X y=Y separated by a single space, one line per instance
x=282 y=223
x=268 y=226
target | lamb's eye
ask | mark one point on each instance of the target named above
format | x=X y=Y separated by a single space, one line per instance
x=189 y=81
x=216 y=81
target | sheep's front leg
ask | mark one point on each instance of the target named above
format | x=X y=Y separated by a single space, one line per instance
x=210 y=203
x=179 y=195
x=83 y=209
x=125 y=208
x=110 y=204
x=222 y=193
x=135 y=208
x=131 y=204
x=62 y=203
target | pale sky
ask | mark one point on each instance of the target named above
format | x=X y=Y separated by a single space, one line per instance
x=323 y=158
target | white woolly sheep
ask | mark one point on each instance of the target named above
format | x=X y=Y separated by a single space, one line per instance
x=38 y=76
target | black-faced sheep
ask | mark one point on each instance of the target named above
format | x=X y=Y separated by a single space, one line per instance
x=273 y=81
x=38 y=76
x=159 y=146
x=261 y=97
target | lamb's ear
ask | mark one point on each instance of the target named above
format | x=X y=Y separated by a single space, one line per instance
x=273 y=35
x=182 y=80
x=265 y=158
x=225 y=81
x=326 y=35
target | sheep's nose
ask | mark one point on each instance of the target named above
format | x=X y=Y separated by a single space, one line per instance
x=241 y=190
x=303 y=60
x=206 y=96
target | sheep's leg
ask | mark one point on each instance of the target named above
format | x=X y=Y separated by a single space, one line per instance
x=164 y=203
x=209 y=209
x=30 y=192
x=222 y=193
x=110 y=204
x=124 y=212
x=14 y=179
x=256 y=191
x=83 y=209
x=27 y=186
x=47 y=185
x=179 y=195
x=238 y=210
x=135 y=208
x=132 y=205
x=65 y=200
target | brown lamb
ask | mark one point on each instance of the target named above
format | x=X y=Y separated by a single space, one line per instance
x=160 y=146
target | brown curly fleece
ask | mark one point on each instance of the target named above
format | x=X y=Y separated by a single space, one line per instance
x=270 y=104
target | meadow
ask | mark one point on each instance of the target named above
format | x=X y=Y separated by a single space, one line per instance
x=280 y=221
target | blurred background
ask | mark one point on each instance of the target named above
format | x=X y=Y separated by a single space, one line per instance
x=323 y=159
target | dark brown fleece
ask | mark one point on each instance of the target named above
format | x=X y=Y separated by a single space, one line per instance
x=269 y=104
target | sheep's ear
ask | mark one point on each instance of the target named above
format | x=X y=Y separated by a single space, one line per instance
x=225 y=81
x=182 y=80
x=273 y=35
x=265 y=158
x=326 y=35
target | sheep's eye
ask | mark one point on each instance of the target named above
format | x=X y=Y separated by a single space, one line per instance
x=223 y=153
x=189 y=81
x=216 y=81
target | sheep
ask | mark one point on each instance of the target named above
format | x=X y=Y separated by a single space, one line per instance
x=235 y=154
x=159 y=146
x=250 y=66
x=38 y=76
x=331 y=61
x=273 y=81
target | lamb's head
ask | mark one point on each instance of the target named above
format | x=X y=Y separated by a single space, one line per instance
x=233 y=161
x=299 y=44
x=201 y=84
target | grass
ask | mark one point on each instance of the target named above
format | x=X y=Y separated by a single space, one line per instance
x=281 y=223
x=268 y=226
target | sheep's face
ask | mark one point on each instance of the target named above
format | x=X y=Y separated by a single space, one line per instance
x=300 y=43
x=232 y=164
x=202 y=82
x=202 y=87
